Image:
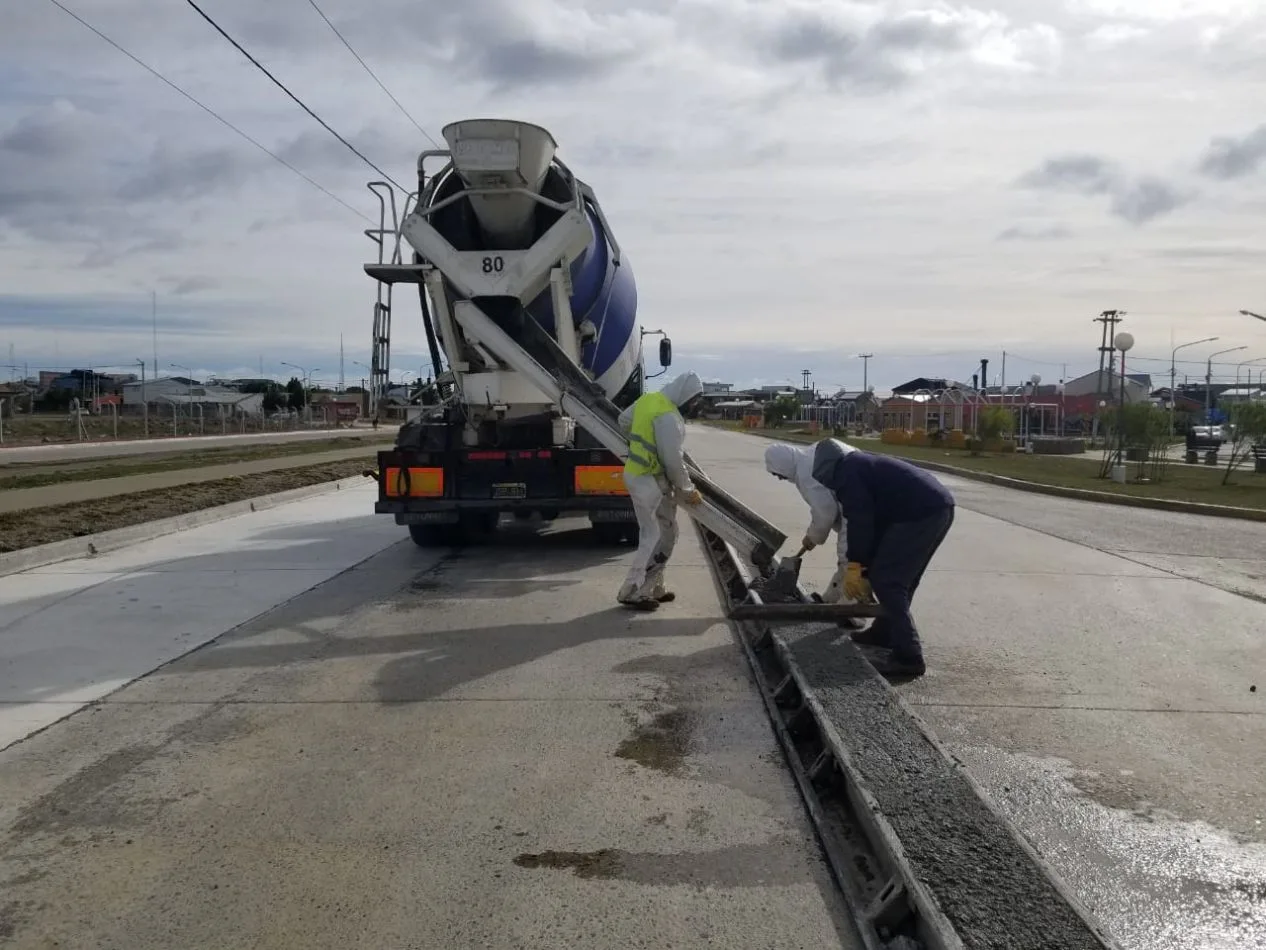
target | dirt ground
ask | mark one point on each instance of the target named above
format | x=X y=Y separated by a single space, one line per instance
x=24 y=529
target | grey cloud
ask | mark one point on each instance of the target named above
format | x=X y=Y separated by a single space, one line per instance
x=184 y=286
x=1022 y=232
x=865 y=57
x=1229 y=157
x=171 y=174
x=1136 y=200
x=1083 y=174
x=1148 y=198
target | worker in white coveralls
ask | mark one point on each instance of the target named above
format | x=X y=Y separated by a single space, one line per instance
x=795 y=465
x=656 y=477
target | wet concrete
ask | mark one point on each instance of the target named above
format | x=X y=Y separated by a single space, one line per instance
x=479 y=751
x=1053 y=629
x=992 y=892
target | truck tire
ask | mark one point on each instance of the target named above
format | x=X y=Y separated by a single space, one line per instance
x=610 y=533
x=431 y=535
x=474 y=527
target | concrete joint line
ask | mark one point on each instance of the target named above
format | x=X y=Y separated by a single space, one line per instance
x=91 y=545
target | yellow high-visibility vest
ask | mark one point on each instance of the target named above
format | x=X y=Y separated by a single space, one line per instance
x=643 y=457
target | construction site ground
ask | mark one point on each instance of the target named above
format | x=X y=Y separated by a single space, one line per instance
x=92 y=498
x=395 y=747
x=104 y=447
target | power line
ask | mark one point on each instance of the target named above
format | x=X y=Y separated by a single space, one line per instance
x=373 y=75
x=282 y=86
x=211 y=112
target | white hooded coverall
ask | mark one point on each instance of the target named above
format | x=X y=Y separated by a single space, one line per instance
x=796 y=465
x=653 y=498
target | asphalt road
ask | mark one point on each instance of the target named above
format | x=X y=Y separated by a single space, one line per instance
x=72 y=451
x=426 y=751
x=1093 y=669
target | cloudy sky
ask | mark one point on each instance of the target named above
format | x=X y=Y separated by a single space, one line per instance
x=794 y=182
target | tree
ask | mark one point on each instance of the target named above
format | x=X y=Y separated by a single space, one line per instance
x=295 y=393
x=271 y=401
x=778 y=411
x=996 y=422
x=1247 y=422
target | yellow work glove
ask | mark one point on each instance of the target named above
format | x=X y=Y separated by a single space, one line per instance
x=808 y=543
x=693 y=497
x=856 y=587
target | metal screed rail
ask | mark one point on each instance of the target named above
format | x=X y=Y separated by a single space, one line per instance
x=923 y=859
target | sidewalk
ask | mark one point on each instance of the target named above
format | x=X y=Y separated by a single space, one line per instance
x=74 y=631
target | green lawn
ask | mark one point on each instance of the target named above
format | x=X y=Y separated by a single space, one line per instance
x=1181 y=482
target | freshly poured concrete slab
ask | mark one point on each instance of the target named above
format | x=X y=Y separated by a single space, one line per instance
x=1107 y=704
x=72 y=451
x=479 y=752
x=73 y=632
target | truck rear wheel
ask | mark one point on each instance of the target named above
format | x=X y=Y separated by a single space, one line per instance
x=472 y=528
x=432 y=535
x=613 y=532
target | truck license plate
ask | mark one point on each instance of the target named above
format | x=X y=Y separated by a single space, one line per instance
x=509 y=490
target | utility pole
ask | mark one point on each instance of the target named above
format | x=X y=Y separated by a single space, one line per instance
x=865 y=358
x=805 y=375
x=1107 y=352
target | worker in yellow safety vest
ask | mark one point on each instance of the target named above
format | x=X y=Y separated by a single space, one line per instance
x=655 y=474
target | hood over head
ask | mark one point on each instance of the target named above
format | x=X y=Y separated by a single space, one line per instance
x=681 y=389
x=780 y=460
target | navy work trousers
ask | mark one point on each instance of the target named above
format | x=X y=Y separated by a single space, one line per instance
x=901 y=557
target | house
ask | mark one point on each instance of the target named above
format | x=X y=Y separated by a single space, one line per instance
x=929 y=384
x=853 y=407
x=182 y=393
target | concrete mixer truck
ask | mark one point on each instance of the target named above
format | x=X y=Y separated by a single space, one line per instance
x=505 y=229
x=530 y=314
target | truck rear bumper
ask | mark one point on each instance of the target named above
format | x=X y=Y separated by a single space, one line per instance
x=449 y=511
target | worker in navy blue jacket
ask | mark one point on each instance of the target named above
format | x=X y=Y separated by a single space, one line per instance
x=897 y=516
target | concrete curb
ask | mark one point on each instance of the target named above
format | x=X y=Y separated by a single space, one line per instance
x=1078 y=494
x=90 y=545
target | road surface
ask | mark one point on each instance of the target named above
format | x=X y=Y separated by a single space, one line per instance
x=1091 y=666
x=425 y=751
x=75 y=451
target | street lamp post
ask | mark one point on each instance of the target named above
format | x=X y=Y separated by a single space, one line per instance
x=1123 y=341
x=1208 y=382
x=305 y=382
x=1172 y=373
x=1256 y=359
x=1249 y=313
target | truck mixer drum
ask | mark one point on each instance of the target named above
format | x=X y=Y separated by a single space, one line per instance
x=524 y=289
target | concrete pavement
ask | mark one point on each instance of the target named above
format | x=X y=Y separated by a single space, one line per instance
x=1103 y=701
x=428 y=750
x=72 y=632
x=73 y=451
x=65 y=493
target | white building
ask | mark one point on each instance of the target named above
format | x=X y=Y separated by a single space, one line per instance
x=187 y=393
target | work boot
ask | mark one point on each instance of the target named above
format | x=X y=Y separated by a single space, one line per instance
x=896 y=665
x=641 y=603
x=663 y=596
x=873 y=636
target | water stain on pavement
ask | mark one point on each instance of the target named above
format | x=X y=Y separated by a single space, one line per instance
x=777 y=863
x=661 y=744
